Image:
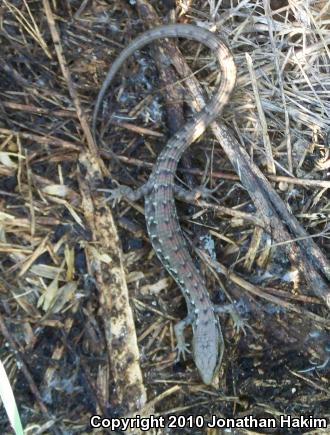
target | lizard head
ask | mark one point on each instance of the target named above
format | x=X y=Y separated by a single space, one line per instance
x=208 y=347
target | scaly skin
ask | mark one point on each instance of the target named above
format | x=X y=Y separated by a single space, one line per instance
x=160 y=212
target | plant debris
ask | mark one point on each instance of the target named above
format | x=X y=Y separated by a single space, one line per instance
x=87 y=310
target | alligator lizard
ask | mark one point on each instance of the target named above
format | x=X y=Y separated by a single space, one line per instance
x=159 y=191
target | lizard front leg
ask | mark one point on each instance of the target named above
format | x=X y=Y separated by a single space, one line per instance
x=182 y=346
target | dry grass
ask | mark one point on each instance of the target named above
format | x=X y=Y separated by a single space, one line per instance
x=72 y=294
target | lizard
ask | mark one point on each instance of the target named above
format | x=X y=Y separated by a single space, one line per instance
x=160 y=190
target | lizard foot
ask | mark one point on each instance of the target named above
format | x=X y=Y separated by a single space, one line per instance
x=182 y=346
x=239 y=322
x=118 y=193
x=182 y=349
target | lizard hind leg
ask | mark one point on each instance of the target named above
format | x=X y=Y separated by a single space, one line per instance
x=193 y=195
x=200 y=191
x=125 y=192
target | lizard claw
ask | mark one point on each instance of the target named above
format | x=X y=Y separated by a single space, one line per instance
x=182 y=346
x=240 y=323
x=182 y=349
x=117 y=194
x=204 y=192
